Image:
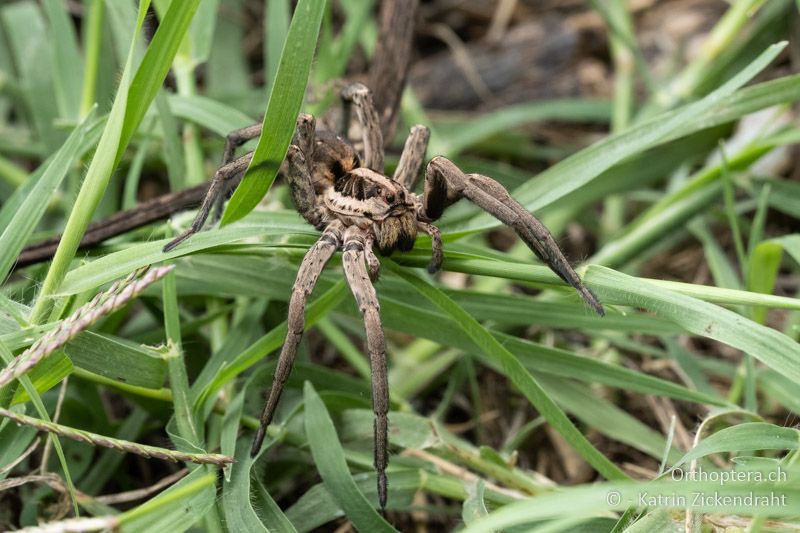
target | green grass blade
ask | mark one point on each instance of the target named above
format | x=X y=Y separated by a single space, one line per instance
x=516 y=372
x=94 y=185
x=276 y=22
x=285 y=99
x=33 y=206
x=332 y=465
x=745 y=437
x=68 y=71
x=155 y=66
x=579 y=169
x=114 y=265
x=177 y=508
x=769 y=346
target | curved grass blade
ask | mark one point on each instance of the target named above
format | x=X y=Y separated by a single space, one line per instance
x=136 y=256
x=285 y=99
x=586 y=165
x=516 y=372
x=332 y=465
x=746 y=436
x=134 y=95
x=20 y=228
x=769 y=346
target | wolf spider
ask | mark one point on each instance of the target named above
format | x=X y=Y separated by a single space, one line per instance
x=357 y=208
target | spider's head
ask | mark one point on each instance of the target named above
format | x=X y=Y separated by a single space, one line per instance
x=383 y=201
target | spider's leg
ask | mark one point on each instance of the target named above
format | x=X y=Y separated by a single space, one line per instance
x=445 y=183
x=436 y=245
x=360 y=96
x=236 y=138
x=215 y=191
x=364 y=293
x=407 y=171
x=310 y=270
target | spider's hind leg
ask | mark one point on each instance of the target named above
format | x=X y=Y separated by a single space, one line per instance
x=367 y=300
x=310 y=270
x=445 y=183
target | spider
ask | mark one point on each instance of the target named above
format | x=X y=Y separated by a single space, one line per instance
x=358 y=208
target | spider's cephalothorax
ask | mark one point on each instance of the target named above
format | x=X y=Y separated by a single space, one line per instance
x=356 y=207
x=380 y=206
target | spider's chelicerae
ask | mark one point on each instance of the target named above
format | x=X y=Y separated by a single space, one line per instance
x=358 y=208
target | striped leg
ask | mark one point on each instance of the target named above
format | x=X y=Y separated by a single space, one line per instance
x=353 y=261
x=310 y=270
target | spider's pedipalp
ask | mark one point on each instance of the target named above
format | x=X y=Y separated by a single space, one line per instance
x=445 y=183
x=298 y=178
x=357 y=277
x=361 y=97
x=413 y=156
x=307 y=276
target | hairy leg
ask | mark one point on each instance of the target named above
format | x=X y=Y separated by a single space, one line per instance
x=310 y=270
x=360 y=96
x=236 y=138
x=413 y=156
x=436 y=245
x=445 y=183
x=367 y=300
x=373 y=264
x=224 y=179
x=215 y=191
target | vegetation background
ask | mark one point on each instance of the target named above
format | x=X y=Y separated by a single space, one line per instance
x=654 y=138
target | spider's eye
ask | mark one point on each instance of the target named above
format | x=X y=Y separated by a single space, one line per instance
x=390 y=198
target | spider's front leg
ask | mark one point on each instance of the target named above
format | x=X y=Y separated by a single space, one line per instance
x=445 y=184
x=353 y=261
x=310 y=269
x=231 y=168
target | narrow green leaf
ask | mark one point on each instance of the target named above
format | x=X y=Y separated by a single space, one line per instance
x=285 y=99
x=332 y=466
x=516 y=372
x=745 y=437
x=33 y=206
x=771 y=347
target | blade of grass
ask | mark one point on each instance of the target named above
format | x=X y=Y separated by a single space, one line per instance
x=30 y=211
x=68 y=63
x=769 y=346
x=743 y=437
x=584 y=166
x=135 y=92
x=285 y=99
x=332 y=465
x=514 y=371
